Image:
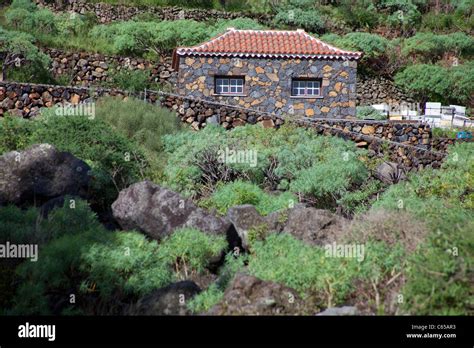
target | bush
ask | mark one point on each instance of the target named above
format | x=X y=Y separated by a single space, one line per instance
x=159 y=38
x=238 y=23
x=372 y=45
x=437 y=275
x=241 y=192
x=126 y=264
x=14 y=133
x=188 y=251
x=116 y=161
x=62 y=237
x=369 y=113
x=144 y=124
x=309 y=20
x=360 y=14
x=429 y=47
x=204 y=301
x=360 y=200
x=291 y=158
x=438 y=83
x=310 y=271
x=130 y=80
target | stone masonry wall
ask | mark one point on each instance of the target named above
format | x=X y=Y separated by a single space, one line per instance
x=268 y=84
x=107 y=13
x=26 y=99
x=89 y=69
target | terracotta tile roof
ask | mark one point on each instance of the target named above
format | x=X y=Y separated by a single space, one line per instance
x=267 y=43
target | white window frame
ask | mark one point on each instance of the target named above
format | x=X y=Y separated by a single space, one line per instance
x=305 y=88
x=229 y=85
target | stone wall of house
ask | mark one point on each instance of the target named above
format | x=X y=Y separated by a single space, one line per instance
x=268 y=84
x=107 y=13
x=89 y=69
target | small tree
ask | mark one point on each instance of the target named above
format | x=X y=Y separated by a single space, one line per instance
x=17 y=49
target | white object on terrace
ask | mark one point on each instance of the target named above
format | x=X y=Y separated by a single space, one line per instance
x=432 y=109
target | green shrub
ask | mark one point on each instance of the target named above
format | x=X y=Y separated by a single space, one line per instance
x=372 y=45
x=241 y=192
x=14 y=133
x=67 y=233
x=139 y=38
x=204 y=301
x=369 y=113
x=142 y=123
x=360 y=14
x=188 y=251
x=309 y=20
x=14 y=44
x=429 y=47
x=126 y=264
x=360 y=200
x=284 y=259
x=116 y=161
x=438 y=280
x=438 y=83
x=296 y=152
x=130 y=80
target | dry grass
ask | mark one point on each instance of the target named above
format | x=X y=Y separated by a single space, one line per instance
x=389 y=227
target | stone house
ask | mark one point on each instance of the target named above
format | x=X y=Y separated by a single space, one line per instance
x=282 y=72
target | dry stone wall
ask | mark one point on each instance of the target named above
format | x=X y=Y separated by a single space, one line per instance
x=380 y=90
x=410 y=144
x=106 y=13
x=89 y=69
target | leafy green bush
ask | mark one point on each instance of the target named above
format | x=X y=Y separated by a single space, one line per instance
x=360 y=200
x=62 y=237
x=404 y=14
x=369 y=113
x=188 y=250
x=142 y=123
x=309 y=270
x=14 y=133
x=15 y=44
x=438 y=275
x=130 y=80
x=360 y=14
x=241 y=192
x=309 y=20
x=372 y=45
x=438 y=83
x=300 y=158
x=139 y=38
x=116 y=161
x=204 y=301
x=429 y=47
x=126 y=264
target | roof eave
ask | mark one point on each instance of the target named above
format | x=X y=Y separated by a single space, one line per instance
x=352 y=56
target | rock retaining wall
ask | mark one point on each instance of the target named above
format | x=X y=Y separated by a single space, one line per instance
x=106 y=13
x=381 y=90
x=410 y=143
x=88 y=69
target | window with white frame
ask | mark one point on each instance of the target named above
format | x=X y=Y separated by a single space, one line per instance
x=229 y=85
x=306 y=88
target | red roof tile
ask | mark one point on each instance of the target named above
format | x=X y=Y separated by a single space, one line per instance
x=267 y=43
